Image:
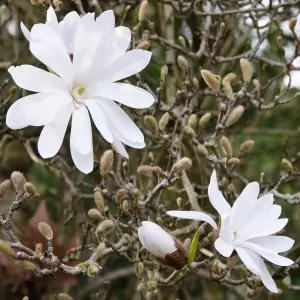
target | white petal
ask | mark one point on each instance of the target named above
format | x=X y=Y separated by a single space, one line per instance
x=51 y=18
x=256 y=265
x=158 y=239
x=121 y=121
x=47 y=46
x=193 y=215
x=270 y=255
x=223 y=247
x=120 y=148
x=53 y=133
x=122 y=40
x=36 y=110
x=106 y=19
x=126 y=94
x=68 y=28
x=225 y=232
x=215 y=196
x=243 y=205
x=88 y=19
x=84 y=162
x=99 y=119
x=36 y=80
x=81 y=132
x=25 y=31
x=124 y=66
x=277 y=243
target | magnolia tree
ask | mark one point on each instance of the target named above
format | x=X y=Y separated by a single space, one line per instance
x=149 y=149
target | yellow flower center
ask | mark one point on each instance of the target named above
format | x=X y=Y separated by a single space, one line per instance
x=78 y=93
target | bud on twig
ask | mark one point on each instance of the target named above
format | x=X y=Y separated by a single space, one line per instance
x=106 y=162
x=3 y=188
x=125 y=205
x=233 y=161
x=179 y=202
x=229 y=78
x=204 y=119
x=45 y=230
x=120 y=195
x=226 y=147
x=183 y=164
x=202 y=150
x=30 y=189
x=105 y=227
x=143 y=10
x=64 y=296
x=234 y=115
x=99 y=251
x=246 y=146
x=189 y=131
x=292 y=23
x=192 y=122
x=196 y=83
x=99 y=200
x=140 y=268
x=211 y=80
x=92 y=270
x=6 y=249
x=163 y=72
x=18 y=181
x=246 y=69
x=151 y=123
x=38 y=249
x=95 y=214
x=182 y=62
x=182 y=41
x=147 y=170
x=287 y=165
x=58 y=4
x=144 y=45
x=163 y=122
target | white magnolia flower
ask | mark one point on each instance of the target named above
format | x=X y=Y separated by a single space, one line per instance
x=248 y=227
x=160 y=243
x=85 y=65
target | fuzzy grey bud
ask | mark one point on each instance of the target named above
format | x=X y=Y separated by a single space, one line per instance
x=106 y=162
x=287 y=165
x=143 y=10
x=182 y=62
x=183 y=164
x=192 y=122
x=45 y=230
x=233 y=161
x=151 y=124
x=95 y=214
x=18 y=181
x=246 y=69
x=105 y=227
x=189 y=131
x=204 y=119
x=99 y=200
x=234 y=115
x=211 y=80
x=226 y=147
x=246 y=146
x=202 y=150
x=163 y=122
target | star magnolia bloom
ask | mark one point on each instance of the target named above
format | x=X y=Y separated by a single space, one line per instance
x=247 y=227
x=158 y=242
x=85 y=64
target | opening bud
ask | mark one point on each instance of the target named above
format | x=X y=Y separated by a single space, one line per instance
x=105 y=227
x=106 y=162
x=234 y=115
x=151 y=124
x=45 y=230
x=246 y=69
x=163 y=122
x=226 y=146
x=183 y=164
x=143 y=10
x=211 y=80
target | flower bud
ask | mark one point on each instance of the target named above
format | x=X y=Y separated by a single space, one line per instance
x=141 y=287
x=196 y=82
x=95 y=214
x=140 y=268
x=99 y=200
x=293 y=23
x=181 y=165
x=64 y=296
x=189 y=131
x=105 y=227
x=229 y=78
x=151 y=285
x=179 y=202
x=45 y=230
x=182 y=41
x=246 y=69
x=125 y=205
x=135 y=192
x=143 y=10
x=182 y=62
x=256 y=83
x=279 y=41
x=226 y=146
x=163 y=72
x=144 y=45
x=233 y=161
x=204 y=119
x=99 y=251
x=30 y=189
x=211 y=80
x=234 y=115
x=146 y=170
x=35 y=2
x=287 y=165
x=3 y=188
x=202 y=150
x=18 y=181
x=120 y=195
x=192 y=122
x=246 y=146
x=6 y=249
x=228 y=90
x=163 y=122
x=25 y=298
x=92 y=270
x=38 y=249
x=151 y=124
x=106 y=162
x=58 y=4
